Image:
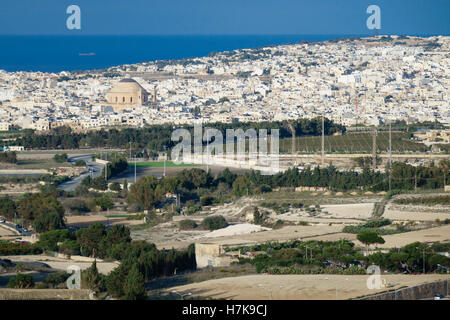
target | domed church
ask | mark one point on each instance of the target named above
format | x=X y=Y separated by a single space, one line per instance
x=127 y=94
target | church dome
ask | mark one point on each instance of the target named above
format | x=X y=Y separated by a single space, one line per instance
x=126 y=94
x=127 y=86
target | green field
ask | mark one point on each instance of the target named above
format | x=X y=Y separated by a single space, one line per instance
x=159 y=164
x=353 y=143
x=41 y=164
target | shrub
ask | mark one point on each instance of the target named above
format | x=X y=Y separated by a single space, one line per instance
x=77 y=206
x=207 y=200
x=214 y=223
x=10 y=248
x=262 y=189
x=192 y=208
x=104 y=202
x=60 y=157
x=115 y=186
x=53 y=280
x=187 y=224
x=21 y=281
x=80 y=163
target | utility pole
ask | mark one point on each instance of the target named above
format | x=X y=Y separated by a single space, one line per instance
x=165 y=157
x=135 y=169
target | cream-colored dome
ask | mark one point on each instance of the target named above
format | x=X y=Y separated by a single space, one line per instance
x=126 y=86
x=126 y=94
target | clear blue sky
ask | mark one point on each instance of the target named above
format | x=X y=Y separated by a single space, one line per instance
x=225 y=16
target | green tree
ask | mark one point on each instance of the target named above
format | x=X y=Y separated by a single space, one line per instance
x=70 y=247
x=43 y=210
x=90 y=240
x=135 y=285
x=258 y=217
x=49 y=240
x=91 y=279
x=171 y=184
x=118 y=234
x=115 y=281
x=369 y=237
x=115 y=186
x=104 y=202
x=7 y=207
x=194 y=178
x=226 y=176
x=99 y=183
x=146 y=192
x=241 y=186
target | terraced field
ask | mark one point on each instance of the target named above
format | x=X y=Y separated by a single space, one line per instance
x=353 y=143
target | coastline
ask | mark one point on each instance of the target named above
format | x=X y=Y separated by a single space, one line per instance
x=58 y=53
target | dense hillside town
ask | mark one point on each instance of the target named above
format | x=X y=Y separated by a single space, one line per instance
x=350 y=81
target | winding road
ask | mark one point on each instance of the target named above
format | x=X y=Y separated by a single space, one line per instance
x=94 y=169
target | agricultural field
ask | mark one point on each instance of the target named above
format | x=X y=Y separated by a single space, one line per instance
x=298 y=287
x=40 y=164
x=353 y=143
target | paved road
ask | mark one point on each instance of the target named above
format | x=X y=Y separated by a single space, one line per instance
x=6 y=231
x=95 y=170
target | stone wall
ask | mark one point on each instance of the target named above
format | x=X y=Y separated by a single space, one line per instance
x=423 y=291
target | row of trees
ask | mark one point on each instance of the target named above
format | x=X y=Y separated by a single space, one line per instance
x=140 y=261
x=193 y=183
x=326 y=255
x=156 y=137
x=115 y=167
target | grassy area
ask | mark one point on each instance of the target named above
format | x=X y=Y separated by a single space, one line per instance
x=41 y=164
x=160 y=164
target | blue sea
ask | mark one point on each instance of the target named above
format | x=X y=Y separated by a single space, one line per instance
x=62 y=53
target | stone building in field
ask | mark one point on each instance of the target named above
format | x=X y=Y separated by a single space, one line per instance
x=212 y=255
